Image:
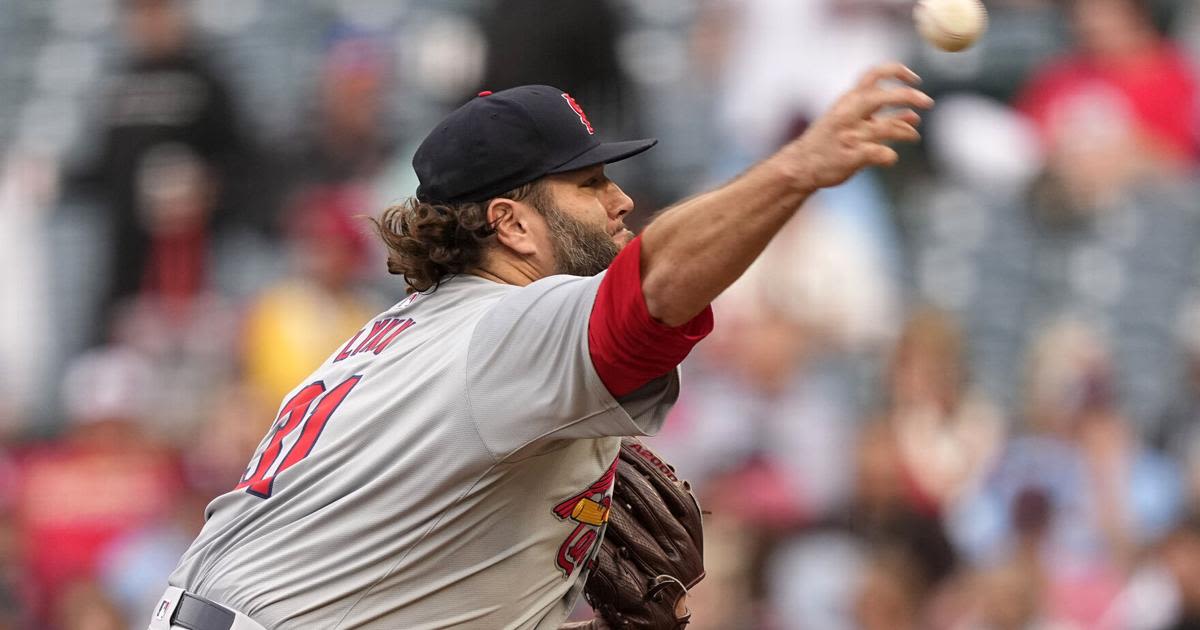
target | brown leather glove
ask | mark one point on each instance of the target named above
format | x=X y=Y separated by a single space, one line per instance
x=653 y=549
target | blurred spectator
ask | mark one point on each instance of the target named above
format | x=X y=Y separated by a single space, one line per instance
x=1106 y=493
x=166 y=93
x=176 y=320
x=103 y=478
x=296 y=324
x=175 y=196
x=350 y=141
x=879 y=557
x=947 y=433
x=882 y=511
x=1120 y=109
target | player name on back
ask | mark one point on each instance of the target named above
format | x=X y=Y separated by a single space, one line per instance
x=376 y=338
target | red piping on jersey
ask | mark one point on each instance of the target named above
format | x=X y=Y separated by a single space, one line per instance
x=629 y=348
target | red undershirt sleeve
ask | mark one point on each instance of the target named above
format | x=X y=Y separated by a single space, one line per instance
x=627 y=346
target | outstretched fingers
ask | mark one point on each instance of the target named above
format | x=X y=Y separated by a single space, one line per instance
x=893 y=127
x=871 y=100
x=907 y=115
x=869 y=96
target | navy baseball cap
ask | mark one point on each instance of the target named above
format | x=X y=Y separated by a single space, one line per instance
x=499 y=141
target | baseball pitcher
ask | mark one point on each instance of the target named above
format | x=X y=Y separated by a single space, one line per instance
x=452 y=464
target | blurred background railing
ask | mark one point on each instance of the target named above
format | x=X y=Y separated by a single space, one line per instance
x=960 y=393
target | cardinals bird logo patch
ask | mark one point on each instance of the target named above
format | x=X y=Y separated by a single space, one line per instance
x=589 y=510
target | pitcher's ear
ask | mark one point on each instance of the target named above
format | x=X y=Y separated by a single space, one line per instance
x=512 y=222
x=500 y=212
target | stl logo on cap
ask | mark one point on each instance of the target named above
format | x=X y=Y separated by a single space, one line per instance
x=579 y=110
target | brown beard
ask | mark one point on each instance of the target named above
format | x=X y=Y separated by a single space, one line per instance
x=579 y=249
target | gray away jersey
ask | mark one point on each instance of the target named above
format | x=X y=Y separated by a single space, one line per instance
x=450 y=466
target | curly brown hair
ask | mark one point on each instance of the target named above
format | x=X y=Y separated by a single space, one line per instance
x=428 y=242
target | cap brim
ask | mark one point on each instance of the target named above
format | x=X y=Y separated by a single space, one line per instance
x=606 y=153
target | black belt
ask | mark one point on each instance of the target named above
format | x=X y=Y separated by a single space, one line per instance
x=197 y=613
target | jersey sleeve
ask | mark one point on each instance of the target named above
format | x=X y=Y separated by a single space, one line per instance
x=530 y=374
x=628 y=346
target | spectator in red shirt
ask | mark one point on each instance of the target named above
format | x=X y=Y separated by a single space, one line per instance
x=1120 y=107
x=103 y=479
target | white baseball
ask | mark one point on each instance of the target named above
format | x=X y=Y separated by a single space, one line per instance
x=951 y=25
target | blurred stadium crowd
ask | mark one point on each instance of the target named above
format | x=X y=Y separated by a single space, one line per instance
x=959 y=394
